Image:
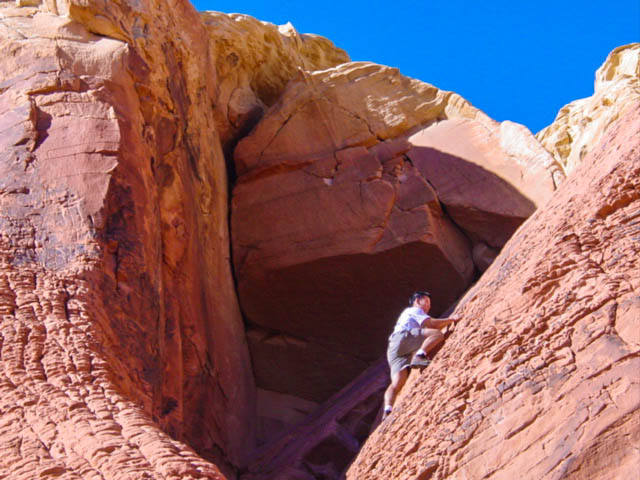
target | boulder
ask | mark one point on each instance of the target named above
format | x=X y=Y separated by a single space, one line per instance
x=540 y=377
x=478 y=175
x=356 y=188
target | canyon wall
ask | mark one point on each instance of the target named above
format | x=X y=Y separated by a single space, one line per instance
x=120 y=315
x=120 y=331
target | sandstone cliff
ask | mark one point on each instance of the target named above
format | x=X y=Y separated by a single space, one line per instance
x=115 y=119
x=123 y=350
x=117 y=324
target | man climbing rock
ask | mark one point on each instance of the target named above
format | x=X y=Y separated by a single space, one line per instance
x=413 y=337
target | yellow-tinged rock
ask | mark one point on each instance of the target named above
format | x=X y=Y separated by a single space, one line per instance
x=254 y=62
x=27 y=3
x=580 y=124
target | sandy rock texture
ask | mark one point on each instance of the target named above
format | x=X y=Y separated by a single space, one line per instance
x=67 y=408
x=119 y=323
x=358 y=185
x=540 y=378
x=581 y=124
x=254 y=62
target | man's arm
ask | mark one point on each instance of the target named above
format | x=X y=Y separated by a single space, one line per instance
x=439 y=322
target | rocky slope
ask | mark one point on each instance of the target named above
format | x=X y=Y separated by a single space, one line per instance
x=540 y=379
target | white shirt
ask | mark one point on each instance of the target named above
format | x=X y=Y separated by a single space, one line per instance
x=410 y=318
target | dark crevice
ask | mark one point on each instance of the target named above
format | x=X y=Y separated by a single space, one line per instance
x=42 y=122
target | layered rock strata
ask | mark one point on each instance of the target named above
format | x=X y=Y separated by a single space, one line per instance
x=581 y=124
x=68 y=406
x=358 y=185
x=119 y=323
x=540 y=378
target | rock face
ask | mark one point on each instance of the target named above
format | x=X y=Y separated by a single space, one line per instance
x=358 y=185
x=117 y=325
x=540 y=379
x=581 y=124
x=123 y=352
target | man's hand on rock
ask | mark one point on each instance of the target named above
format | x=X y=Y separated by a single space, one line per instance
x=454 y=318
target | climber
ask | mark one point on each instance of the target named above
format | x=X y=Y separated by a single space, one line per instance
x=413 y=337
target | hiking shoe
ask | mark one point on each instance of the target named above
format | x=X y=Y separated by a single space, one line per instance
x=386 y=412
x=420 y=360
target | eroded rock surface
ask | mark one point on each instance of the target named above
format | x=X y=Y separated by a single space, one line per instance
x=254 y=62
x=357 y=186
x=540 y=379
x=118 y=324
x=68 y=406
x=580 y=124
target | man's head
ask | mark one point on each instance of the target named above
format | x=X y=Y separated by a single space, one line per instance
x=422 y=300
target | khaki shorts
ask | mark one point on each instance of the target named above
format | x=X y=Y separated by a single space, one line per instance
x=402 y=346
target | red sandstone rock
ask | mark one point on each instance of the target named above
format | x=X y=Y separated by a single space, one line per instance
x=356 y=187
x=540 y=378
x=120 y=333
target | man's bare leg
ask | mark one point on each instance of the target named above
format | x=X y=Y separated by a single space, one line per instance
x=432 y=337
x=397 y=382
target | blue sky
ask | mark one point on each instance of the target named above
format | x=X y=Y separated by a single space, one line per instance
x=518 y=60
